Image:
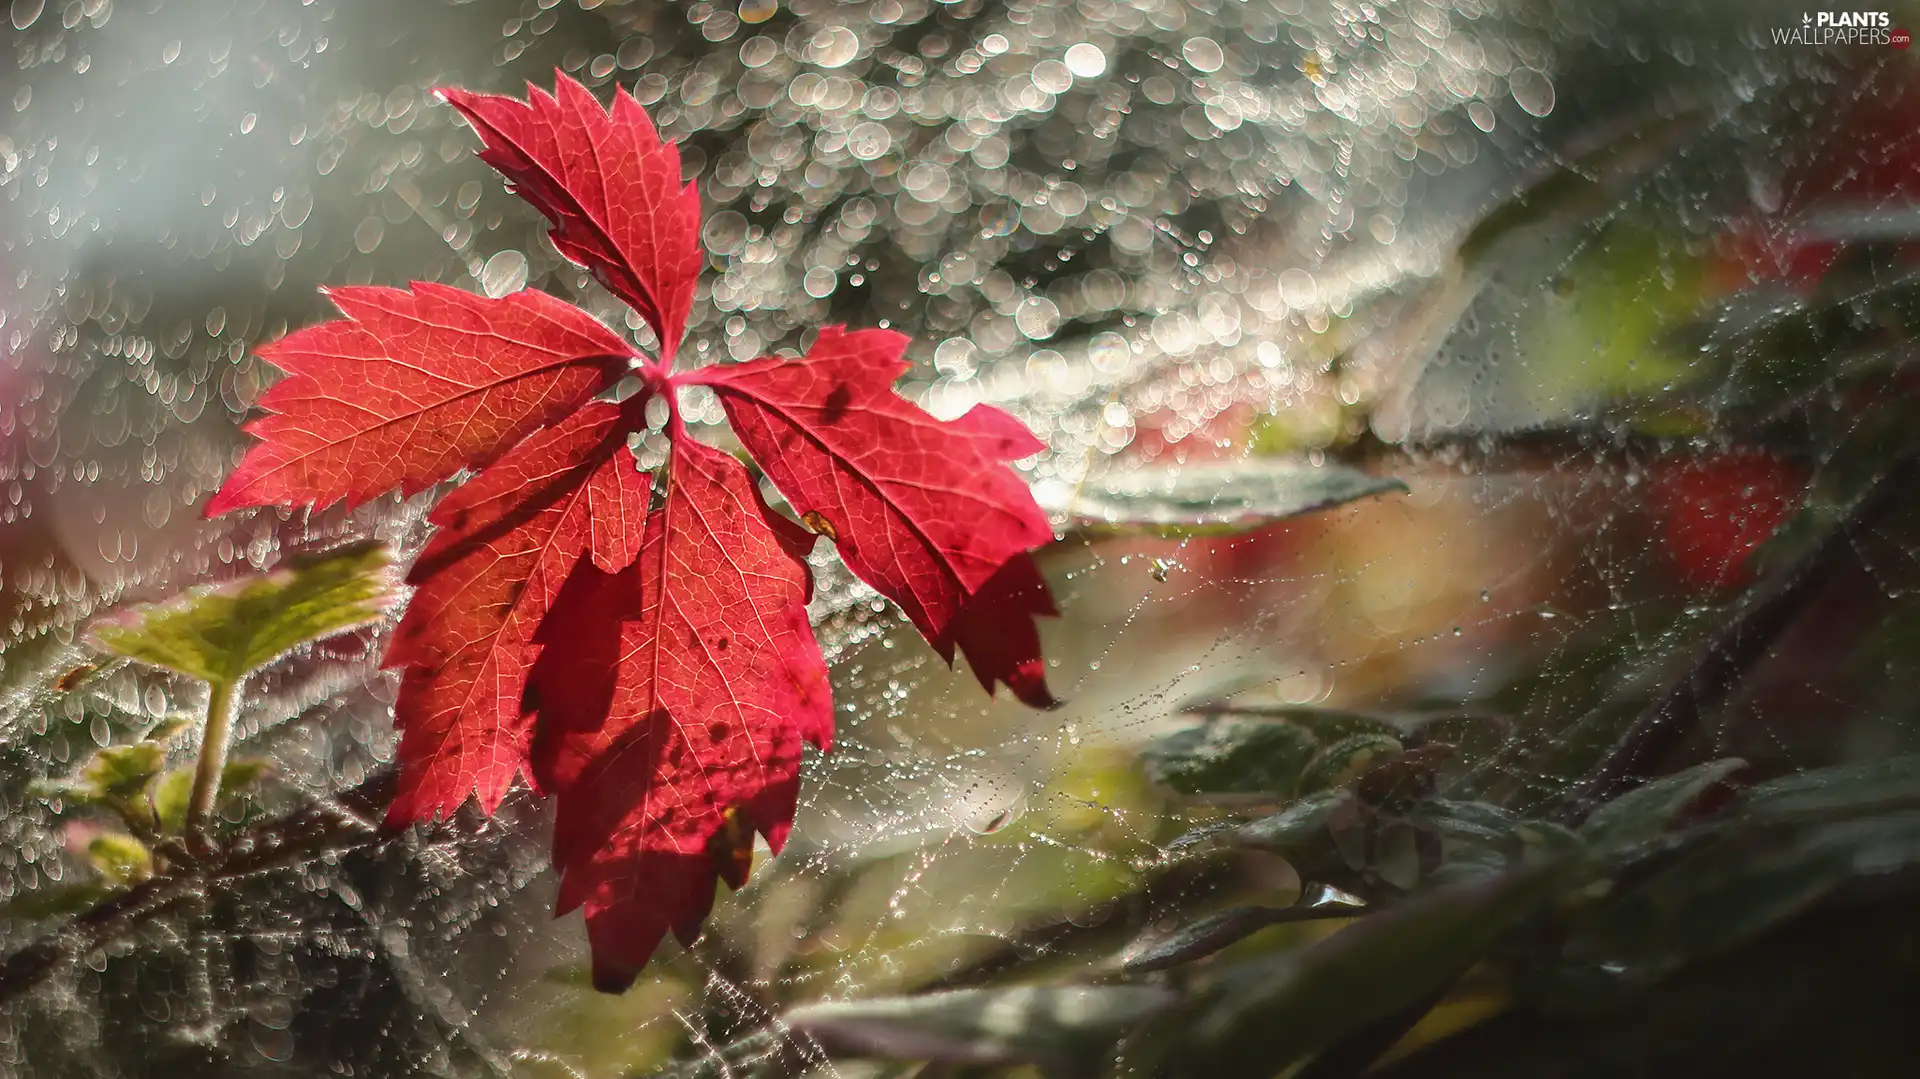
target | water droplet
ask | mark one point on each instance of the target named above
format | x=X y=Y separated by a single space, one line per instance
x=1052 y=76
x=956 y=357
x=820 y=282
x=1203 y=54
x=26 y=11
x=868 y=141
x=368 y=235
x=1037 y=318
x=505 y=272
x=1531 y=90
x=1086 y=61
x=834 y=46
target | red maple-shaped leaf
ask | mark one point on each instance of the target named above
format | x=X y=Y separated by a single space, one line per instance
x=610 y=186
x=924 y=511
x=412 y=387
x=672 y=743
x=636 y=646
x=507 y=541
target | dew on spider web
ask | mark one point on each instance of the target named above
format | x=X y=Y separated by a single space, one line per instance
x=1159 y=236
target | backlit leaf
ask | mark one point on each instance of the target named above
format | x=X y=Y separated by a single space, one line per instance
x=222 y=634
x=634 y=645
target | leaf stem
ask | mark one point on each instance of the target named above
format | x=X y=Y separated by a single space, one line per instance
x=223 y=702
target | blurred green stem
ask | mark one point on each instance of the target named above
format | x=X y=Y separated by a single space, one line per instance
x=223 y=701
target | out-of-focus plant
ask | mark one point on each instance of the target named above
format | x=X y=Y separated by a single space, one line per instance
x=218 y=636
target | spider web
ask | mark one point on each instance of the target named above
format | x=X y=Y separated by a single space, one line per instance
x=1165 y=234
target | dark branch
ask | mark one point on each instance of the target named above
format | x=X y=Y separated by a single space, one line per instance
x=348 y=820
x=1666 y=722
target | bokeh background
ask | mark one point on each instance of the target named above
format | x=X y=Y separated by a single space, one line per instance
x=1614 y=290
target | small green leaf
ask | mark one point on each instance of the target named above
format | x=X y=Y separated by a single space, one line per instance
x=1232 y=756
x=170 y=799
x=1213 y=499
x=120 y=858
x=1647 y=811
x=57 y=901
x=172 y=794
x=1346 y=760
x=1268 y=1013
x=983 y=1026
x=241 y=774
x=223 y=634
x=123 y=771
x=164 y=730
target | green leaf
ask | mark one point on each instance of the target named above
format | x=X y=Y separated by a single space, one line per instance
x=120 y=858
x=1589 y=185
x=170 y=800
x=1208 y=934
x=120 y=772
x=1648 y=811
x=1346 y=760
x=1190 y=500
x=1721 y=896
x=164 y=730
x=1841 y=790
x=1326 y=725
x=224 y=633
x=171 y=795
x=1304 y=824
x=1266 y=1014
x=58 y=900
x=1478 y=822
x=983 y=1026
x=1232 y=756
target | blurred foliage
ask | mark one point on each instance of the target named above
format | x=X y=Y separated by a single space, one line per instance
x=1270 y=256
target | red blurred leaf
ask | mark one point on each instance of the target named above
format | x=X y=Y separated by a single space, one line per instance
x=1716 y=510
x=610 y=186
x=924 y=511
x=642 y=656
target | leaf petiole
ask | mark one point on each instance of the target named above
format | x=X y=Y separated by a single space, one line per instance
x=223 y=701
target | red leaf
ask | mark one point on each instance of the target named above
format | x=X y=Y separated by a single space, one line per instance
x=673 y=736
x=645 y=660
x=1715 y=510
x=412 y=387
x=507 y=540
x=924 y=511
x=997 y=632
x=610 y=186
